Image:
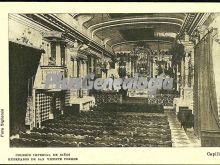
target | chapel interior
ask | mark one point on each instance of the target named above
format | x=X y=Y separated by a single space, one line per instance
x=184 y=47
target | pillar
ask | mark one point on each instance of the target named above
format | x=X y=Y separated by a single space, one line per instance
x=186 y=71
x=92 y=65
x=81 y=68
x=84 y=68
x=177 y=78
x=74 y=68
x=45 y=56
x=69 y=64
x=71 y=68
x=182 y=77
x=192 y=68
x=129 y=66
x=58 y=54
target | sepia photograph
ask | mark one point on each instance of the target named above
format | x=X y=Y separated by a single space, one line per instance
x=114 y=79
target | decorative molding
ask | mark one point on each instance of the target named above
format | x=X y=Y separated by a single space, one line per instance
x=26 y=22
x=133 y=20
x=121 y=43
x=132 y=23
x=191 y=22
x=187 y=23
x=201 y=21
x=52 y=34
x=57 y=24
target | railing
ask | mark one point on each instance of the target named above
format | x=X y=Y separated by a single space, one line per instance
x=46 y=70
x=162 y=99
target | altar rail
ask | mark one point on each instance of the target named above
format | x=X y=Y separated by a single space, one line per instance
x=130 y=107
x=162 y=99
x=104 y=97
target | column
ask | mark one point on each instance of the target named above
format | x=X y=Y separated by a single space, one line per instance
x=47 y=54
x=133 y=66
x=69 y=64
x=71 y=74
x=127 y=66
x=58 y=54
x=44 y=56
x=182 y=78
x=189 y=64
x=192 y=69
x=74 y=68
x=187 y=88
x=92 y=65
x=177 y=78
x=130 y=66
x=84 y=68
x=186 y=71
x=81 y=68
x=62 y=54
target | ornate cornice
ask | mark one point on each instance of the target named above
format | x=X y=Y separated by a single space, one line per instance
x=191 y=22
x=53 y=22
x=125 y=22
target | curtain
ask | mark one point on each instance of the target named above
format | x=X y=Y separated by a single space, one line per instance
x=23 y=64
x=205 y=99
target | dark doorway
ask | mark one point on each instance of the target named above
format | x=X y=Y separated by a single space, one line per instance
x=23 y=63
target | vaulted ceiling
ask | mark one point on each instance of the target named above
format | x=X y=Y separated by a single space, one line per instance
x=123 y=31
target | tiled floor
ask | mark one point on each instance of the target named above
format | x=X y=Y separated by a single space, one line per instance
x=179 y=137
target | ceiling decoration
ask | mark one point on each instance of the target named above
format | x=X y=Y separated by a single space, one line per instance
x=124 y=15
x=52 y=22
x=137 y=34
x=122 y=31
x=129 y=28
x=190 y=22
x=133 y=22
x=130 y=45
